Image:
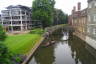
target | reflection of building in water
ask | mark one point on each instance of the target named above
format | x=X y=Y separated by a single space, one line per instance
x=80 y=53
x=91 y=50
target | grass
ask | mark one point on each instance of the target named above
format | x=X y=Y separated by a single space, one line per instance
x=22 y=44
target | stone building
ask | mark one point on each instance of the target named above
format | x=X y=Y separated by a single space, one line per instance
x=79 y=21
x=16 y=18
x=91 y=24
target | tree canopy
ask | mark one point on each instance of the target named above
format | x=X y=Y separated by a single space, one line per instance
x=43 y=10
x=60 y=17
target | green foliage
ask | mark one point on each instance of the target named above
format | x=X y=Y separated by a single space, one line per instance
x=60 y=17
x=4 y=53
x=43 y=10
x=18 y=59
x=2 y=34
x=5 y=57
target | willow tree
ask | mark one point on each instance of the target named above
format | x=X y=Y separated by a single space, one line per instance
x=43 y=10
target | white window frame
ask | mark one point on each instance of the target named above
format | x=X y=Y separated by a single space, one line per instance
x=90 y=6
x=95 y=4
x=89 y=18
x=94 y=17
x=94 y=31
x=88 y=29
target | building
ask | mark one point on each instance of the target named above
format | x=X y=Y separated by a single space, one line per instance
x=70 y=20
x=91 y=24
x=16 y=18
x=84 y=23
x=79 y=21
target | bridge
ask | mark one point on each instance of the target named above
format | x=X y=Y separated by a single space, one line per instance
x=67 y=28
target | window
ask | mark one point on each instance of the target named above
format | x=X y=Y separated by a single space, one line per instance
x=15 y=12
x=90 y=6
x=94 y=17
x=15 y=17
x=89 y=18
x=94 y=31
x=88 y=29
x=95 y=4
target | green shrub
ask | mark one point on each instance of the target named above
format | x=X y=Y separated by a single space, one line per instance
x=2 y=34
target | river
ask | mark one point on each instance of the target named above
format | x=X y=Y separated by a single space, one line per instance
x=72 y=51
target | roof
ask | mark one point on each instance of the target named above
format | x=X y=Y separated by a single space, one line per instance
x=90 y=0
x=81 y=13
x=19 y=6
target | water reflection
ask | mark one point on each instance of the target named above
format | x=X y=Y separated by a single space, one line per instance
x=73 y=51
x=44 y=55
x=82 y=55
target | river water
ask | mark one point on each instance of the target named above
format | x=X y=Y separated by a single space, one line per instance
x=72 y=51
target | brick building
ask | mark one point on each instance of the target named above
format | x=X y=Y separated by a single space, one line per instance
x=79 y=21
x=84 y=22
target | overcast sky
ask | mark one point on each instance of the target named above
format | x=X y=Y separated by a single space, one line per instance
x=65 y=5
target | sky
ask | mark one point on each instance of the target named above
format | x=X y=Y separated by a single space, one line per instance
x=65 y=5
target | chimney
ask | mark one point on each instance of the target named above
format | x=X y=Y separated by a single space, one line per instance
x=72 y=11
x=74 y=8
x=79 y=6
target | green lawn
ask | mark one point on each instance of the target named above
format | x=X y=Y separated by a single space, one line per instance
x=21 y=44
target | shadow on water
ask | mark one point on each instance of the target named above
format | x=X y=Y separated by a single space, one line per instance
x=73 y=51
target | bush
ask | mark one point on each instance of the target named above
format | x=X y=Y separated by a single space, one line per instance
x=5 y=56
x=2 y=34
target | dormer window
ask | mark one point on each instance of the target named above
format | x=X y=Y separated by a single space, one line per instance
x=94 y=17
x=90 y=6
x=95 y=4
x=89 y=18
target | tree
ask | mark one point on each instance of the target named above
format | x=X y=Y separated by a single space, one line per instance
x=2 y=34
x=60 y=17
x=43 y=10
x=4 y=55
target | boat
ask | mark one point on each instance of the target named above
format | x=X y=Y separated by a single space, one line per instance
x=48 y=44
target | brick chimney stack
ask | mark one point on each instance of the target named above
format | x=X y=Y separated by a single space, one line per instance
x=79 y=6
x=74 y=8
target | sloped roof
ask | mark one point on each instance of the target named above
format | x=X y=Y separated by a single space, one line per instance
x=18 y=6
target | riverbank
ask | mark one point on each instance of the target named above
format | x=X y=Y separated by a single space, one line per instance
x=73 y=51
x=26 y=44
x=49 y=29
